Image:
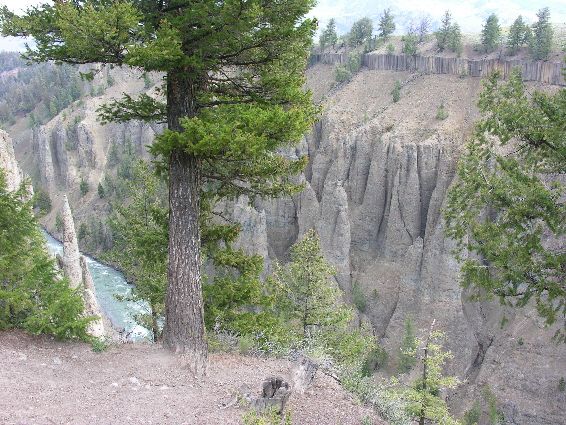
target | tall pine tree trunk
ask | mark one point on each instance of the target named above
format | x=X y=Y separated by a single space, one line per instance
x=184 y=331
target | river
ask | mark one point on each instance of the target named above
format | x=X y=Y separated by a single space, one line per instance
x=108 y=284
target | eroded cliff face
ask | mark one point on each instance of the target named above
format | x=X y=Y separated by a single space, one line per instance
x=375 y=187
x=8 y=163
x=74 y=146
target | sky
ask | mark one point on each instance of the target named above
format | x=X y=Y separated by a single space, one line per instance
x=470 y=14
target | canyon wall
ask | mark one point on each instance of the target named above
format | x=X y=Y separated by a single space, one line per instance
x=375 y=187
x=542 y=71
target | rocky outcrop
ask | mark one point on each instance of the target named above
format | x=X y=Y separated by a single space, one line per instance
x=75 y=268
x=374 y=191
x=92 y=308
x=8 y=163
x=543 y=71
x=71 y=254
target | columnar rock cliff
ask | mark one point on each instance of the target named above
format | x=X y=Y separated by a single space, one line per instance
x=375 y=187
x=76 y=270
x=71 y=254
x=8 y=163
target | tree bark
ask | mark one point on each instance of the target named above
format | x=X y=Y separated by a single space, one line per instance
x=184 y=331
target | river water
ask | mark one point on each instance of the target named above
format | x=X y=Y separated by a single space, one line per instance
x=108 y=284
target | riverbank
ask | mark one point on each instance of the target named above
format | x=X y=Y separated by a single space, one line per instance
x=112 y=292
x=52 y=382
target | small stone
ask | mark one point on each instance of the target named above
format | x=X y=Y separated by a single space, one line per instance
x=114 y=384
x=134 y=380
x=57 y=361
x=164 y=387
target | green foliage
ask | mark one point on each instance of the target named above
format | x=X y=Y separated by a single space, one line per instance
x=390 y=49
x=140 y=233
x=473 y=415
x=112 y=157
x=310 y=299
x=344 y=73
x=407 y=350
x=146 y=80
x=493 y=413
x=32 y=296
x=100 y=190
x=505 y=203
x=396 y=92
x=42 y=201
x=41 y=89
x=441 y=113
x=83 y=232
x=269 y=417
x=309 y=302
x=410 y=42
x=329 y=36
x=491 y=33
x=562 y=385
x=359 y=299
x=374 y=360
x=234 y=296
x=84 y=187
x=443 y=33
x=59 y=222
x=386 y=25
x=382 y=396
x=423 y=396
x=99 y=345
x=455 y=39
x=519 y=35
x=541 y=41
x=360 y=33
x=449 y=36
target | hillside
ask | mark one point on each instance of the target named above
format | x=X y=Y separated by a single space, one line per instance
x=375 y=187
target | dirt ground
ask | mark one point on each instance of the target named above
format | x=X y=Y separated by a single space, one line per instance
x=50 y=382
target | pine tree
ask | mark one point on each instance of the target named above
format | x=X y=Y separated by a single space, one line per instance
x=491 y=33
x=541 y=42
x=309 y=302
x=425 y=402
x=407 y=358
x=32 y=296
x=518 y=35
x=312 y=298
x=506 y=208
x=455 y=39
x=443 y=34
x=410 y=41
x=360 y=33
x=101 y=191
x=224 y=128
x=329 y=36
x=386 y=25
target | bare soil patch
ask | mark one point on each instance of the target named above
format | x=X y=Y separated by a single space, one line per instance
x=50 y=382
